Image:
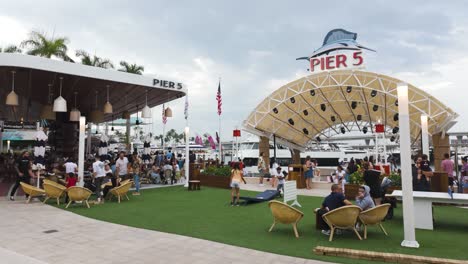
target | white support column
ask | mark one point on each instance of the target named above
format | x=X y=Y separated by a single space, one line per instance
x=187 y=160
x=424 y=135
x=81 y=150
x=406 y=171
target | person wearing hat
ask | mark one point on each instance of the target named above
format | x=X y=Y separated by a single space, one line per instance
x=24 y=170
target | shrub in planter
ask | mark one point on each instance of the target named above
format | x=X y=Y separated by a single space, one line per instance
x=352 y=188
x=218 y=177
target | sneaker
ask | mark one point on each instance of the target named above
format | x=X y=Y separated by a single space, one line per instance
x=237 y=204
x=326 y=232
x=12 y=198
x=232 y=204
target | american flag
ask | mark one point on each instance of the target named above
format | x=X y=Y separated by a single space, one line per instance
x=164 y=118
x=218 y=98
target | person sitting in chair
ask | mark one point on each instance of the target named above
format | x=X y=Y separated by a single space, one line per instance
x=155 y=174
x=334 y=200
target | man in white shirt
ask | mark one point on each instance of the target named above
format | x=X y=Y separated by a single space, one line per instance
x=70 y=167
x=98 y=174
x=121 y=166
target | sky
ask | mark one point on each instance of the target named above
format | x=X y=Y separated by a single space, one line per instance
x=251 y=46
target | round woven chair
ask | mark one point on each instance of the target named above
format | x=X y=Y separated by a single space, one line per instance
x=285 y=214
x=121 y=190
x=77 y=193
x=54 y=190
x=344 y=217
x=374 y=216
x=31 y=191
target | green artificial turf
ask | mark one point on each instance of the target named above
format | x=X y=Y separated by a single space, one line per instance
x=207 y=214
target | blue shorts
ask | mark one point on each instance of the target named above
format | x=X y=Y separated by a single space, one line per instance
x=235 y=185
x=309 y=174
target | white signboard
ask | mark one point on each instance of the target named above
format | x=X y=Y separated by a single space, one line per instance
x=290 y=193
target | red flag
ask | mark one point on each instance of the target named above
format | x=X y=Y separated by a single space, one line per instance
x=218 y=98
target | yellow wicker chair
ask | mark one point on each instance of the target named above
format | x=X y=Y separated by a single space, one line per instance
x=121 y=190
x=285 y=214
x=343 y=218
x=374 y=216
x=31 y=191
x=54 y=190
x=77 y=193
x=125 y=181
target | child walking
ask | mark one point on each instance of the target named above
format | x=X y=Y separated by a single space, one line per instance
x=236 y=179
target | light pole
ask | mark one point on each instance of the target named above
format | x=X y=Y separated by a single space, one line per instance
x=424 y=135
x=406 y=171
x=81 y=150
x=187 y=160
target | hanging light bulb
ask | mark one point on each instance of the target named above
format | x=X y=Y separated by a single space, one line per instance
x=125 y=113
x=12 y=97
x=96 y=115
x=75 y=113
x=168 y=112
x=112 y=123
x=107 y=106
x=146 y=111
x=47 y=111
x=60 y=105
x=137 y=122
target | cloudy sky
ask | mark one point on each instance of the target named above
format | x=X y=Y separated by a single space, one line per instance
x=252 y=45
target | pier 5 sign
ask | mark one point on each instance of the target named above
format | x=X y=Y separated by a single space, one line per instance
x=167 y=84
x=347 y=53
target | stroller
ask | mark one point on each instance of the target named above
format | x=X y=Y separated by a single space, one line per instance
x=386 y=182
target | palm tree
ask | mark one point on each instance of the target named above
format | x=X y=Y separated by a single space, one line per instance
x=95 y=61
x=11 y=49
x=131 y=68
x=40 y=45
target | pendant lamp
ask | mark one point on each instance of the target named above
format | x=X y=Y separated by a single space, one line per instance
x=96 y=116
x=108 y=106
x=12 y=97
x=112 y=128
x=60 y=105
x=137 y=122
x=125 y=113
x=146 y=111
x=168 y=112
x=75 y=113
x=47 y=111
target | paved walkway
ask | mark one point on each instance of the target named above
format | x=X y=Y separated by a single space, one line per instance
x=76 y=239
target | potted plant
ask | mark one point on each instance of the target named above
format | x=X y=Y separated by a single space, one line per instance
x=214 y=176
x=352 y=187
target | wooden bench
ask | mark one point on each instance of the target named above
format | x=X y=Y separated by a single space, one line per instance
x=423 y=205
x=194 y=185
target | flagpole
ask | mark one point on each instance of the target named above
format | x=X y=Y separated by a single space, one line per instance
x=187 y=142
x=220 y=154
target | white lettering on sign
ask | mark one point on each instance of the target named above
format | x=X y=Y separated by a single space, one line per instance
x=336 y=61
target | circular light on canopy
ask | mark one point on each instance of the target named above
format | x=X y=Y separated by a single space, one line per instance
x=333 y=119
x=373 y=93
x=60 y=105
x=291 y=121
x=318 y=139
x=312 y=92
x=306 y=112
x=349 y=89
x=292 y=100
x=12 y=97
x=353 y=104
x=342 y=130
x=275 y=110
x=359 y=117
x=305 y=131
x=395 y=117
x=323 y=107
x=375 y=108
x=364 y=130
x=395 y=130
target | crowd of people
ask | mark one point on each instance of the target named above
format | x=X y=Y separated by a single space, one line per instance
x=160 y=168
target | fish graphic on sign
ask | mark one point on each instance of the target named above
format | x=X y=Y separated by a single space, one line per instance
x=337 y=39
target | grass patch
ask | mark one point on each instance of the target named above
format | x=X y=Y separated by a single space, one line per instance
x=207 y=214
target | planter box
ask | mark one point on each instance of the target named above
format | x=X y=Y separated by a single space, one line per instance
x=215 y=181
x=393 y=188
x=351 y=191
